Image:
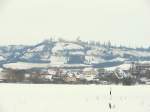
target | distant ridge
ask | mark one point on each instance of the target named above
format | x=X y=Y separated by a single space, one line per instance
x=73 y=52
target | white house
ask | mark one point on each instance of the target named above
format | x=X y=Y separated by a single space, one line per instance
x=89 y=73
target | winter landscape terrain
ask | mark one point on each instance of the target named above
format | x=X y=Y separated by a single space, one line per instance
x=106 y=70
x=73 y=52
x=73 y=98
x=75 y=62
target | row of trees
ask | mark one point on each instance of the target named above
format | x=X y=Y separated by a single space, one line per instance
x=107 y=44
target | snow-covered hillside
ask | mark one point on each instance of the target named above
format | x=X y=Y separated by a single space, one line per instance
x=72 y=52
x=125 y=66
x=25 y=66
x=2 y=58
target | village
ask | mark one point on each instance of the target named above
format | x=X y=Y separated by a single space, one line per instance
x=126 y=74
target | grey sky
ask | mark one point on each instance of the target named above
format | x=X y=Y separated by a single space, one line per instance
x=30 y=21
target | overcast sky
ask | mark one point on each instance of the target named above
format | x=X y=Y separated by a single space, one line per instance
x=120 y=21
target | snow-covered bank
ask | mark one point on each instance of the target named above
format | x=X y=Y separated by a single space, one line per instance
x=73 y=98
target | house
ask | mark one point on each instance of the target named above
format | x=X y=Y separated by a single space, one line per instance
x=140 y=69
x=70 y=78
x=52 y=73
x=89 y=74
x=56 y=74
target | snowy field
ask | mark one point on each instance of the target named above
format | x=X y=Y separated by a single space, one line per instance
x=73 y=98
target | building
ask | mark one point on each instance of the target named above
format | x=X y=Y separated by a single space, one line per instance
x=70 y=78
x=143 y=66
x=90 y=74
x=140 y=69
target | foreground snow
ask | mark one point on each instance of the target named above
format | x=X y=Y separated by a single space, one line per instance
x=73 y=98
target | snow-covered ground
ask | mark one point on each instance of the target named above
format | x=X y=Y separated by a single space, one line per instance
x=2 y=58
x=73 y=98
x=1 y=70
x=124 y=66
x=24 y=65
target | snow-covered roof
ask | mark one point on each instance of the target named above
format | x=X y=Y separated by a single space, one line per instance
x=52 y=72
